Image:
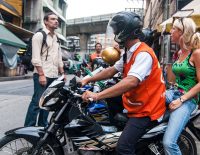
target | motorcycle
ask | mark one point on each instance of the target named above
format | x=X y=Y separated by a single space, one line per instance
x=70 y=131
x=98 y=62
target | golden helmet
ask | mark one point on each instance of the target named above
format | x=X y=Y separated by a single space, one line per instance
x=110 y=55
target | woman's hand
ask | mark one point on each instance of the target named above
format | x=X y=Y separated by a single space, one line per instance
x=175 y=104
x=89 y=94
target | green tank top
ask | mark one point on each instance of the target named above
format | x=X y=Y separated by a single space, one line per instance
x=185 y=76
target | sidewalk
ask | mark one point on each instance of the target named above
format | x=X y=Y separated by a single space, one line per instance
x=26 y=76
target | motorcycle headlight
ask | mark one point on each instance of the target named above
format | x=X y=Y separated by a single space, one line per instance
x=51 y=102
x=48 y=98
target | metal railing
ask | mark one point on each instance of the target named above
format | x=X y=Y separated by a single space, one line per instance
x=90 y=19
x=100 y=18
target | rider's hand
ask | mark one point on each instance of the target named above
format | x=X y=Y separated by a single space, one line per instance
x=85 y=81
x=42 y=80
x=65 y=77
x=116 y=46
x=89 y=67
x=175 y=104
x=89 y=94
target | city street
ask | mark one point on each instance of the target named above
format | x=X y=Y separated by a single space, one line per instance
x=14 y=100
x=15 y=97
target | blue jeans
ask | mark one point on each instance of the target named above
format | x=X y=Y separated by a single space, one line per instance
x=177 y=121
x=33 y=110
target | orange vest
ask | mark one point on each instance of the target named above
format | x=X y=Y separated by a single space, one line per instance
x=148 y=98
x=94 y=55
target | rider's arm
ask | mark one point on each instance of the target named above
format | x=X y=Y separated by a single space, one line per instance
x=105 y=74
x=123 y=86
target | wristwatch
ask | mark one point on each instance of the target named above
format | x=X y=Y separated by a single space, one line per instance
x=181 y=100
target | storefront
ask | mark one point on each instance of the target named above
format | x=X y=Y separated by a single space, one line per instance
x=9 y=45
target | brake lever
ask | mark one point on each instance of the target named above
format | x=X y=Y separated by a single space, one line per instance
x=79 y=95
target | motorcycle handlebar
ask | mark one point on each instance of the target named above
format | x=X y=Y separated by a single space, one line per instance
x=79 y=95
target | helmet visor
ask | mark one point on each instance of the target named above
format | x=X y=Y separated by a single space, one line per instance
x=111 y=40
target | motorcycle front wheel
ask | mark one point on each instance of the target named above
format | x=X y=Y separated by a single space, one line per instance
x=11 y=145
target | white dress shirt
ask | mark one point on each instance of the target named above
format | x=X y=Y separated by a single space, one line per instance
x=54 y=58
x=142 y=66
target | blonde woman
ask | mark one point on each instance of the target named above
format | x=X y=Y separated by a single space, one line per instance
x=184 y=97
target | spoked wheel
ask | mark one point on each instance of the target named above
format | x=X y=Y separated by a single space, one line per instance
x=10 y=145
x=186 y=144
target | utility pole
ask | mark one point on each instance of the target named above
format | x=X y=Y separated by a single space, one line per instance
x=164 y=43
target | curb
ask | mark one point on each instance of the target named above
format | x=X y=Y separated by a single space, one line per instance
x=15 y=78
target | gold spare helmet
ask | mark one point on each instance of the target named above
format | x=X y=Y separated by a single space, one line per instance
x=110 y=55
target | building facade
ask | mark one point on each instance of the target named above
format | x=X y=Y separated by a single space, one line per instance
x=158 y=17
x=19 y=20
x=34 y=11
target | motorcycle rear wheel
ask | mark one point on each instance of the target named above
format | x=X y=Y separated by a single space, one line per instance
x=11 y=145
x=186 y=144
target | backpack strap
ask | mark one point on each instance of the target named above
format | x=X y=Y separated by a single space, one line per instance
x=44 y=42
x=44 y=39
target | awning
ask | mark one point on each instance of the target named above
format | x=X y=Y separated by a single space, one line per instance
x=166 y=25
x=191 y=10
x=8 y=8
x=18 y=31
x=9 y=38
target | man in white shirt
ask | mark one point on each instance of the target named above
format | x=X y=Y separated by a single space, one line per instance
x=47 y=62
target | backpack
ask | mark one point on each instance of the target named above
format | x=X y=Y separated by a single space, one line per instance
x=26 y=58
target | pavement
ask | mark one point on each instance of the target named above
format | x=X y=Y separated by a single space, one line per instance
x=11 y=78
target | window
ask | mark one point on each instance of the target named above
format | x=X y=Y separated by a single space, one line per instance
x=182 y=3
x=60 y=4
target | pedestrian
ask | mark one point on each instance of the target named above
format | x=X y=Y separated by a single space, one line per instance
x=96 y=54
x=47 y=66
x=183 y=98
x=142 y=85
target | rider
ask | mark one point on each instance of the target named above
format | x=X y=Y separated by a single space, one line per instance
x=184 y=96
x=142 y=85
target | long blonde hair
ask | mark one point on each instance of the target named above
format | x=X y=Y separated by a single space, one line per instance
x=191 y=38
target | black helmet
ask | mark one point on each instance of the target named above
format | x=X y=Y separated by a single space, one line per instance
x=126 y=25
x=148 y=36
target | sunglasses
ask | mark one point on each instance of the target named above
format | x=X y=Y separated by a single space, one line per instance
x=181 y=20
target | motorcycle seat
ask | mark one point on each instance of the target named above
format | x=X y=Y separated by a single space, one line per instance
x=121 y=117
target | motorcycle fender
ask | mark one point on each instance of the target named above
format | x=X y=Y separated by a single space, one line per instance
x=34 y=132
